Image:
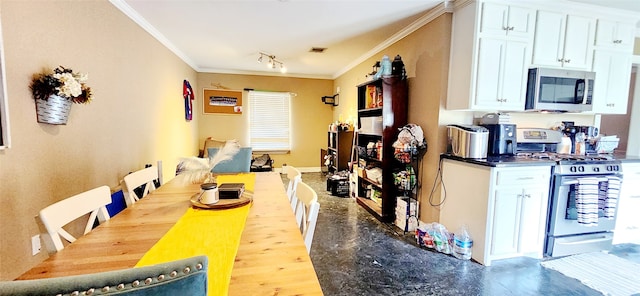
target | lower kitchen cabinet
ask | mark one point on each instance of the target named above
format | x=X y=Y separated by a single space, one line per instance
x=627 y=219
x=504 y=208
x=519 y=220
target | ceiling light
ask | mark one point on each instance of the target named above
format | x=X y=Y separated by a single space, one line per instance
x=272 y=62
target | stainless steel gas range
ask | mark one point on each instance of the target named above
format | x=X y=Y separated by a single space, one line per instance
x=582 y=197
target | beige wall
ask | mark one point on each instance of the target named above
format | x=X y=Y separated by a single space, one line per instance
x=425 y=54
x=136 y=117
x=309 y=116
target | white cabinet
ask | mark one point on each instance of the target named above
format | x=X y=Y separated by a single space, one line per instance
x=501 y=74
x=627 y=219
x=615 y=35
x=490 y=53
x=613 y=77
x=504 y=208
x=519 y=219
x=505 y=20
x=563 y=41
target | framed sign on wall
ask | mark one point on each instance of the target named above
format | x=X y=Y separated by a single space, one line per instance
x=222 y=101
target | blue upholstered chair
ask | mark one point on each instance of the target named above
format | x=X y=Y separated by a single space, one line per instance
x=181 y=277
x=240 y=163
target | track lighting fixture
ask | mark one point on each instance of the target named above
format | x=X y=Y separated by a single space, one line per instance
x=272 y=62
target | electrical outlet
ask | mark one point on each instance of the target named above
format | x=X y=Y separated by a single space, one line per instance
x=35 y=245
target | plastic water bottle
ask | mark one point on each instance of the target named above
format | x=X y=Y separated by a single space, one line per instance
x=462 y=244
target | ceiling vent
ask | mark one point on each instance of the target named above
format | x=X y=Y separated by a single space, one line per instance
x=318 y=49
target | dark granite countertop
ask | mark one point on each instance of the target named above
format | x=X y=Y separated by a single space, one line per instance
x=501 y=161
x=626 y=159
x=504 y=161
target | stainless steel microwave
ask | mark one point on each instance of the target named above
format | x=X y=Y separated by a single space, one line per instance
x=559 y=90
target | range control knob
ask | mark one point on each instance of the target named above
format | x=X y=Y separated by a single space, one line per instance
x=581 y=169
x=596 y=169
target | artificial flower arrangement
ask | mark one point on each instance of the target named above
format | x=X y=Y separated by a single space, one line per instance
x=64 y=83
x=197 y=170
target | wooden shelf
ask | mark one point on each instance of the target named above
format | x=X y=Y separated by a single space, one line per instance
x=339 y=145
x=374 y=183
x=371 y=207
x=393 y=91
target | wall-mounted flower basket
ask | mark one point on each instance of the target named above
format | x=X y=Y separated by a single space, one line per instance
x=55 y=92
x=55 y=110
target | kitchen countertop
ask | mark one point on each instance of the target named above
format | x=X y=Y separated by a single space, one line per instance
x=501 y=161
x=506 y=161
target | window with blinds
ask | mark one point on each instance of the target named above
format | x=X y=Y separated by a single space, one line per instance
x=269 y=121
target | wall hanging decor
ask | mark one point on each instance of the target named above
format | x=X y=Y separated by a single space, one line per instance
x=222 y=101
x=187 y=93
x=55 y=91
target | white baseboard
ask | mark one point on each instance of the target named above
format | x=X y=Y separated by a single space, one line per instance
x=302 y=170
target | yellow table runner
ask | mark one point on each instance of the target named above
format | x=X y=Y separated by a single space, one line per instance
x=215 y=233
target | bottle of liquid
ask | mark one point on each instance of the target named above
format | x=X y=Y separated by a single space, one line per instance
x=580 y=144
x=462 y=244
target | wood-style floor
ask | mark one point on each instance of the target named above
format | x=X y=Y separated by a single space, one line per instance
x=354 y=254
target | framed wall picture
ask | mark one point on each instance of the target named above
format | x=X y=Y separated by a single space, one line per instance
x=222 y=101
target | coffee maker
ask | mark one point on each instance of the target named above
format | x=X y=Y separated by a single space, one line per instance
x=591 y=134
x=502 y=139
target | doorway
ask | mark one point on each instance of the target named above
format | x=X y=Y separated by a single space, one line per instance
x=627 y=126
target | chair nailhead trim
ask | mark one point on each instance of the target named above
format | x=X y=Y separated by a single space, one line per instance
x=135 y=283
x=120 y=286
x=173 y=273
x=148 y=281
x=58 y=294
x=161 y=277
x=198 y=266
x=187 y=270
x=90 y=291
x=75 y=293
x=105 y=289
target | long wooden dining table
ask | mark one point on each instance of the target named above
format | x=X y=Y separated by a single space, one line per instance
x=271 y=257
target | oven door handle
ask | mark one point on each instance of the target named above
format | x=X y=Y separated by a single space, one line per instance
x=595 y=240
x=575 y=181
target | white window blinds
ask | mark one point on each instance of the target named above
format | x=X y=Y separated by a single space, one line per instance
x=269 y=123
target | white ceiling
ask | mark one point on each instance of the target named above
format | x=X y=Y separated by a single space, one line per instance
x=226 y=36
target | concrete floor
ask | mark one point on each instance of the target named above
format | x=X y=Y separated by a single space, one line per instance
x=355 y=254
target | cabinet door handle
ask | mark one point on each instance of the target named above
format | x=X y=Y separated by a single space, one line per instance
x=505 y=28
x=525 y=178
x=560 y=60
x=567 y=61
x=510 y=28
x=527 y=195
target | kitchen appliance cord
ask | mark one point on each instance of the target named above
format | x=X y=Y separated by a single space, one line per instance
x=443 y=195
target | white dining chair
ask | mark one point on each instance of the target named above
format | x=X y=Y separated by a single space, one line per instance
x=294 y=176
x=306 y=211
x=59 y=214
x=136 y=179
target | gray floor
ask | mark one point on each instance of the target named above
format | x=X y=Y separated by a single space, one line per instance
x=355 y=254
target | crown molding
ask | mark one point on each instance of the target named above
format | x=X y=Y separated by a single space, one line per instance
x=440 y=9
x=138 y=19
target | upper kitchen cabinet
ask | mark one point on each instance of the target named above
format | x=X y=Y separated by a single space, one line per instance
x=500 y=84
x=615 y=35
x=490 y=54
x=563 y=41
x=613 y=77
x=505 y=20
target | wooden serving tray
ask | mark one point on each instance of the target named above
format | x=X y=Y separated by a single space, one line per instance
x=221 y=204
